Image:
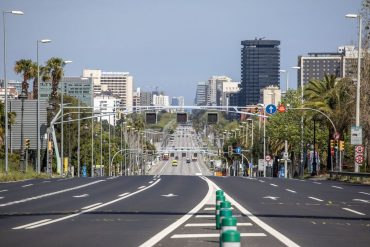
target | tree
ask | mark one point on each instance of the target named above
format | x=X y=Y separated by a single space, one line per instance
x=27 y=69
x=54 y=68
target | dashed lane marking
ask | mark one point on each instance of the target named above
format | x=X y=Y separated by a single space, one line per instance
x=124 y=194
x=215 y=235
x=1 y=197
x=150 y=182
x=27 y=185
x=83 y=195
x=292 y=191
x=337 y=187
x=274 y=185
x=353 y=211
x=364 y=193
x=49 y=194
x=205 y=216
x=3 y=191
x=316 y=199
x=31 y=224
x=141 y=187
x=261 y=181
x=316 y=183
x=361 y=200
x=92 y=205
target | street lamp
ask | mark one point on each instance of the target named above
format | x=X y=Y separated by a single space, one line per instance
x=358 y=95
x=287 y=79
x=302 y=165
x=14 y=12
x=62 y=109
x=38 y=164
x=69 y=119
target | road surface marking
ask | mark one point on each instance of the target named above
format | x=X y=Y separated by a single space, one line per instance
x=159 y=236
x=210 y=209
x=261 y=181
x=274 y=185
x=92 y=205
x=291 y=190
x=353 y=211
x=316 y=199
x=49 y=194
x=27 y=185
x=205 y=216
x=150 y=182
x=215 y=235
x=361 y=200
x=165 y=164
x=316 y=183
x=198 y=174
x=124 y=194
x=279 y=236
x=31 y=224
x=3 y=191
x=141 y=187
x=271 y=197
x=1 y=197
x=337 y=187
x=83 y=195
x=91 y=209
x=364 y=193
x=213 y=224
x=170 y=195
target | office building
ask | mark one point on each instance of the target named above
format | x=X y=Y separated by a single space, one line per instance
x=271 y=95
x=177 y=101
x=201 y=94
x=146 y=98
x=260 y=64
x=108 y=105
x=161 y=100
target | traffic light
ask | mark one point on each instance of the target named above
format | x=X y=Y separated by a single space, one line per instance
x=256 y=110
x=230 y=150
x=27 y=143
x=332 y=144
x=182 y=117
x=144 y=148
x=212 y=118
x=341 y=145
x=151 y=118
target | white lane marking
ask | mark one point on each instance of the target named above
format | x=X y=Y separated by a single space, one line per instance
x=364 y=193
x=271 y=197
x=215 y=235
x=3 y=191
x=167 y=162
x=159 y=236
x=124 y=194
x=316 y=183
x=170 y=195
x=91 y=209
x=92 y=205
x=361 y=200
x=83 y=195
x=337 y=187
x=261 y=181
x=31 y=224
x=213 y=224
x=353 y=211
x=209 y=209
x=27 y=185
x=316 y=199
x=49 y=194
x=291 y=190
x=141 y=187
x=1 y=197
x=198 y=174
x=150 y=182
x=274 y=185
x=205 y=216
x=279 y=236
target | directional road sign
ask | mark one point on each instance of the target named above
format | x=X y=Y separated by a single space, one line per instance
x=238 y=150
x=271 y=109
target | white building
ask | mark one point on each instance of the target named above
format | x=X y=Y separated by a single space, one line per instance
x=271 y=95
x=228 y=88
x=118 y=84
x=215 y=89
x=161 y=100
x=107 y=105
x=12 y=93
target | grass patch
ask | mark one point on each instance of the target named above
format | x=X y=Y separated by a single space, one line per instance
x=17 y=176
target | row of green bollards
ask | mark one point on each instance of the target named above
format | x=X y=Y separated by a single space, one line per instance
x=225 y=222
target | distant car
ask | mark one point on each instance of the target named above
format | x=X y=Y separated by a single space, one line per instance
x=174 y=163
x=187 y=160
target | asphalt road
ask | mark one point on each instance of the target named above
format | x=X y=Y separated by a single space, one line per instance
x=179 y=211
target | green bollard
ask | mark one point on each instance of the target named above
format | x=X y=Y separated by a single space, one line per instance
x=219 y=192
x=225 y=204
x=230 y=238
x=219 y=199
x=228 y=223
x=224 y=213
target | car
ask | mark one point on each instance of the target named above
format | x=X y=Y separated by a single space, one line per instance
x=174 y=162
x=187 y=160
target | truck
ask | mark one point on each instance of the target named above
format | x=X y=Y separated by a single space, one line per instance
x=166 y=156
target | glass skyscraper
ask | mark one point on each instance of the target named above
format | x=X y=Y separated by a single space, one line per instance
x=260 y=64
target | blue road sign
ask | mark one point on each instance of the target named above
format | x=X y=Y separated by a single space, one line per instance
x=271 y=109
x=84 y=175
x=238 y=150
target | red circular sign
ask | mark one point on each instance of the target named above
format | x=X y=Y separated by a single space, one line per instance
x=359 y=159
x=281 y=108
x=268 y=158
x=336 y=136
x=359 y=149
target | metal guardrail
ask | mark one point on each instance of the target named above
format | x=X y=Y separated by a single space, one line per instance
x=349 y=174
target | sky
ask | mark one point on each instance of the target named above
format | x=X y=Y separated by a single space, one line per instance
x=172 y=44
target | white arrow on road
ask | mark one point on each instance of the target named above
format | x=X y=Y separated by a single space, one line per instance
x=271 y=197
x=84 y=195
x=169 y=195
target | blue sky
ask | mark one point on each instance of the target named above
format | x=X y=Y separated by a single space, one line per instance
x=172 y=44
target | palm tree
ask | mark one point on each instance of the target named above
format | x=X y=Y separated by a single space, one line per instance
x=54 y=68
x=43 y=77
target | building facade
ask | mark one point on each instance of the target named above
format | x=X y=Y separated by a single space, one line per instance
x=107 y=105
x=260 y=64
x=161 y=100
x=201 y=94
x=271 y=95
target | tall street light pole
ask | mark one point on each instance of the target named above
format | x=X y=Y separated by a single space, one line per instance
x=286 y=79
x=358 y=95
x=38 y=164
x=62 y=109
x=302 y=165
x=14 y=12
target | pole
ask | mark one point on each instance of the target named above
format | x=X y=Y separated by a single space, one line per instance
x=101 y=143
x=38 y=110
x=302 y=120
x=286 y=160
x=6 y=99
x=92 y=143
x=62 y=126
x=22 y=137
x=358 y=93
x=121 y=146
x=264 y=145
x=314 y=163
x=110 y=169
x=78 y=141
